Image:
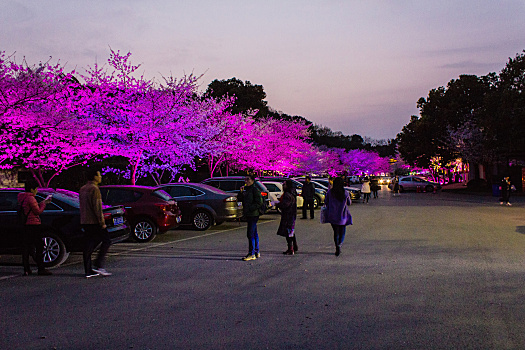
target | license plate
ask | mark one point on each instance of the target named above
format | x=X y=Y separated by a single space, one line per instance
x=178 y=219
x=118 y=220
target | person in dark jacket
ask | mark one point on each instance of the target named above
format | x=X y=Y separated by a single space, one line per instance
x=252 y=201
x=32 y=232
x=308 y=193
x=374 y=186
x=288 y=206
x=337 y=202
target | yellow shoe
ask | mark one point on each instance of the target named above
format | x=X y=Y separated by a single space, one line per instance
x=258 y=255
x=249 y=257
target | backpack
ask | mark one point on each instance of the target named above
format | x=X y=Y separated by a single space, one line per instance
x=21 y=215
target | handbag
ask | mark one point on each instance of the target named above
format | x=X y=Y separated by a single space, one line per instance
x=324 y=214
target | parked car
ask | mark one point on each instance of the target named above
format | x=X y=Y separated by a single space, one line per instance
x=149 y=210
x=354 y=190
x=60 y=224
x=233 y=184
x=319 y=193
x=411 y=183
x=275 y=190
x=203 y=205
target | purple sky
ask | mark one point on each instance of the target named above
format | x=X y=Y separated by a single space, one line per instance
x=355 y=66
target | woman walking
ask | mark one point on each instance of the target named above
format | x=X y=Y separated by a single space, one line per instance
x=32 y=233
x=365 y=190
x=337 y=202
x=395 y=185
x=288 y=206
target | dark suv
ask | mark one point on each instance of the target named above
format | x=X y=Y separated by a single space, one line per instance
x=149 y=210
x=60 y=223
x=233 y=184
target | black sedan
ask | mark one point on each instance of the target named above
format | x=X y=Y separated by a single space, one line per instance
x=60 y=223
x=203 y=205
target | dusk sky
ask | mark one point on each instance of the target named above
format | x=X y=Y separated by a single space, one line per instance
x=355 y=66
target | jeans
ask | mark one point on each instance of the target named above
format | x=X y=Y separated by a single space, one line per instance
x=366 y=197
x=339 y=234
x=308 y=204
x=95 y=234
x=253 y=237
x=32 y=238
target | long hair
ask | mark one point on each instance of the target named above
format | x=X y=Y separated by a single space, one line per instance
x=338 y=189
x=290 y=187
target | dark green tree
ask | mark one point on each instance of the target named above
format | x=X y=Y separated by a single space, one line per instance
x=248 y=97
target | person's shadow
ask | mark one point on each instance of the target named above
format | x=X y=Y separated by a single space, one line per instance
x=520 y=229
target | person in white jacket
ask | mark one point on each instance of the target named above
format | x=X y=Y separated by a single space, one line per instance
x=365 y=190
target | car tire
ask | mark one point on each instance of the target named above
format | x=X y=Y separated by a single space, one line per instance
x=55 y=252
x=317 y=200
x=201 y=220
x=144 y=230
x=429 y=188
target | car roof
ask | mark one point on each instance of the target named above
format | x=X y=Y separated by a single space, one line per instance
x=198 y=185
x=133 y=187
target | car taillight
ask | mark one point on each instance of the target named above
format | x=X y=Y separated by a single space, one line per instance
x=230 y=199
x=164 y=207
x=107 y=216
x=264 y=193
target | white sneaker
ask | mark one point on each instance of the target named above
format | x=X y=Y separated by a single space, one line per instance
x=102 y=271
x=92 y=274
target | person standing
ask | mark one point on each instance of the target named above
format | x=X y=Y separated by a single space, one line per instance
x=288 y=206
x=395 y=185
x=93 y=225
x=32 y=231
x=365 y=190
x=506 y=189
x=252 y=201
x=337 y=202
x=308 y=193
x=374 y=186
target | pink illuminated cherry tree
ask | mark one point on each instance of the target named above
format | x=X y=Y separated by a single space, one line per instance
x=38 y=130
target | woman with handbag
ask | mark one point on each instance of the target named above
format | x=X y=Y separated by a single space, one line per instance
x=337 y=202
x=288 y=206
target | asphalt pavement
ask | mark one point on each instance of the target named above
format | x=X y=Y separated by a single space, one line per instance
x=417 y=271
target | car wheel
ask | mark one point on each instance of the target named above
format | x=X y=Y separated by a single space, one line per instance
x=202 y=220
x=54 y=253
x=316 y=202
x=144 y=231
x=429 y=188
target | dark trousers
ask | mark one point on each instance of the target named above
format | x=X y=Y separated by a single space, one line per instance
x=339 y=234
x=94 y=234
x=308 y=204
x=253 y=237
x=375 y=193
x=32 y=239
x=292 y=243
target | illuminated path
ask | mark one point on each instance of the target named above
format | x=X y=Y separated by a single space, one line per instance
x=419 y=271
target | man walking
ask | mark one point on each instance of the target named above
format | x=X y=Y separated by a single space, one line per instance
x=308 y=193
x=93 y=224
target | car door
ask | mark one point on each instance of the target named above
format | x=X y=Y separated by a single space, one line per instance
x=123 y=196
x=10 y=231
x=185 y=197
x=406 y=183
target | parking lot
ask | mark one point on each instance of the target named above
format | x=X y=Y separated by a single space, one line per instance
x=418 y=271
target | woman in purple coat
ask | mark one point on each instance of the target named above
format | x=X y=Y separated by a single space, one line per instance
x=337 y=204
